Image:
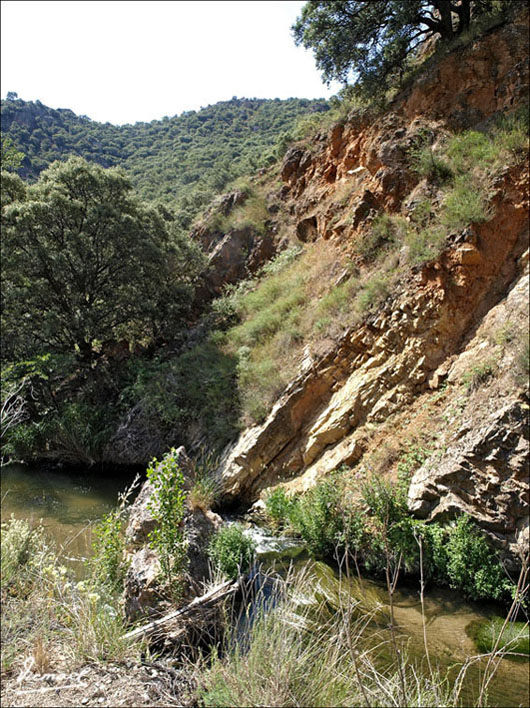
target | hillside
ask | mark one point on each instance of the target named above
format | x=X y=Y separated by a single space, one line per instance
x=399 y=333
x=182 y=161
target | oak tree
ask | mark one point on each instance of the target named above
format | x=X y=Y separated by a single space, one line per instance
x=366 y=42
x=84 y=261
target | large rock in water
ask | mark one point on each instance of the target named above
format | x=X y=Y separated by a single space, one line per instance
x=485 y=474
x=144 y=591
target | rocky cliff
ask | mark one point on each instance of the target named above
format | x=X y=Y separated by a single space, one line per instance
x=437 y=360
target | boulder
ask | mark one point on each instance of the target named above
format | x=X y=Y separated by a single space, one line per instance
x=144 y=590
x=141 y=594
x=483 y=473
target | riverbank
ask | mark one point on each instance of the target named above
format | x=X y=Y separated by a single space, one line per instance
x=68 y=643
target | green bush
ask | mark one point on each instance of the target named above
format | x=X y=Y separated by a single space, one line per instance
x=425 y=244
x=317 y=518
x=278 y=507
x=464 y=204
x=471 y=149
x=386 y=233
x=199 y=385
x=108 y=547
x=373 y=292
x=231 y=550
x=427 y=164
x=471 y=564
x=168 y=506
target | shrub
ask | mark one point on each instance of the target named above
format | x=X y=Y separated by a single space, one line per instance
x=464 y=204
x=278 y=507
x=512 y=131
x=200 y=385
x=168 y=506
x=386 y=233
x=46 y=614
x=251 y=214
x=373 y=292
x=25 y=551
x=231 y=550
x=479 y=375
x=471 y=564
x=470 y=150
x=427 y=164
x=317 y=518
x=108 y=546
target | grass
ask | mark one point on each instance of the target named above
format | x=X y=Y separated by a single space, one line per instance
x=465 y=203
x=479 y=375
x=303 y=296
x=301 y=652
x=206 y=485
x=311 y=293
x=385 y=234
x=424 y=244
x=515 y=636
x=522 y=359
x=47 y=617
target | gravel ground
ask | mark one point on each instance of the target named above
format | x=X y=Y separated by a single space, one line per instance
x=128 y=684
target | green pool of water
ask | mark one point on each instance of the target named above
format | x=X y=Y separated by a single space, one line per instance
x=68 y=502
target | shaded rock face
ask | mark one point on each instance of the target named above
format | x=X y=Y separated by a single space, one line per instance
x=239 y=253
x=143 y=589
x=234 y=254
x=485 y=474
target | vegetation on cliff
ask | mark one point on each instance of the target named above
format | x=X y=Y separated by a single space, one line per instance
x=363 y=253
x=372 y=43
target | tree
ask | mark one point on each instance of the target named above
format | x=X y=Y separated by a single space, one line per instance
x=370 y=40
x=10 y=157
x=85 y=261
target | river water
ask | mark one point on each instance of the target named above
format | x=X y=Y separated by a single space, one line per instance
x=69 y=502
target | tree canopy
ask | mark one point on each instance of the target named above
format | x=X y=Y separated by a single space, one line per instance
x=183 y=161
x=367 y=41
x=84 y=261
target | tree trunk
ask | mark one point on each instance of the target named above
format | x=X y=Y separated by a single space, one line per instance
x=85 y=351
x=464 y=16
x=446 y=19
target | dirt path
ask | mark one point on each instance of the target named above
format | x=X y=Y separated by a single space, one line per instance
x=129 y=684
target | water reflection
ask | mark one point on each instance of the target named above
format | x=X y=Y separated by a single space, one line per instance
x=67 y=502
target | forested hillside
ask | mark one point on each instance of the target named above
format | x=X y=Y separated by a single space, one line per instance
x=182 y=160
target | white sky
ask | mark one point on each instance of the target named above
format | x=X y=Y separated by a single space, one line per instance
x=127 y=61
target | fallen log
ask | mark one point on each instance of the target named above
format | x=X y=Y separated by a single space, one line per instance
x=217 y=593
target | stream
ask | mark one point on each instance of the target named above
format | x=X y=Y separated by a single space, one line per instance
x=68 y=502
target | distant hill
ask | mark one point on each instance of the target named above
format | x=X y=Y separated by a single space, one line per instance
x=182 y=160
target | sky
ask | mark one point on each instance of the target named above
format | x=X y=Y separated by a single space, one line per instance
x=128 y=61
